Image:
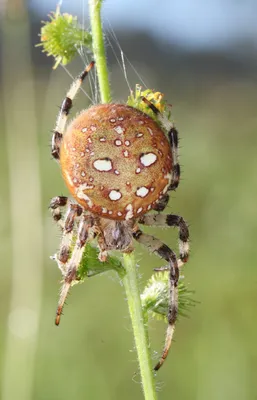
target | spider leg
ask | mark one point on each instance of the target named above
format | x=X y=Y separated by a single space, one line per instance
x=73 y=264
x=162 y=250
x=162 y=203
x=67 y=226
x=55 y=206
x=173 y=139
x=171 y=220
x=64 y=111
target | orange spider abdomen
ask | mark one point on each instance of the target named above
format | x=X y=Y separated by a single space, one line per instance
x=116 y=161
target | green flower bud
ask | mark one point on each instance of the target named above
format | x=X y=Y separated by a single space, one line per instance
x=62 y=36
x=155 y=298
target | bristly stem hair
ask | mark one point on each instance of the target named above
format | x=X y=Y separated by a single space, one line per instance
x=130 y=280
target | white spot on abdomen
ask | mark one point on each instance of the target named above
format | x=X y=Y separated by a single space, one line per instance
x=115 y=195
x=142 y=191
x=129 y=213
x=103 y=164
x=148 y=159
x=82 y=195
x=119 y=129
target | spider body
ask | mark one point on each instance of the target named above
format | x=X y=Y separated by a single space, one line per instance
x=118 y=164
x=116 y=161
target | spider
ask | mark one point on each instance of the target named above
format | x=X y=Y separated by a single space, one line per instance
x=118 y=164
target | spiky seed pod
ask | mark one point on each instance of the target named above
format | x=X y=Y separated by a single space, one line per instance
x=155 y=298
x=62 y=36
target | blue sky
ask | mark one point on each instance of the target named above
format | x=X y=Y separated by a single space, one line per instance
x=191 y=23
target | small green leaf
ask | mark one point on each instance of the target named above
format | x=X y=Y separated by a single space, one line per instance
x=91 y=265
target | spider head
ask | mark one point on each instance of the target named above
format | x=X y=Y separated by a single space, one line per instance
x=117 y=234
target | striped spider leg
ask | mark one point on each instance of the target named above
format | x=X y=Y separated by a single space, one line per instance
x=64 y=111
x=83 y=235
x=67 y=226
x=173 y=139
x=156 y=246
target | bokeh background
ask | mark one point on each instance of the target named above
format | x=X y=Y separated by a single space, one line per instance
x=203 y=56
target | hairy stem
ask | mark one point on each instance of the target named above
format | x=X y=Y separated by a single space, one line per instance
x=130 y=278
x=139 y=327
x=99 y=49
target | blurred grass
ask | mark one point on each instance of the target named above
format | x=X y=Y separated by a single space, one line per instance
x=215 y=353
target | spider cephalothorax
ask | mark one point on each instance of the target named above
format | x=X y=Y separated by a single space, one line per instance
x=118 y=164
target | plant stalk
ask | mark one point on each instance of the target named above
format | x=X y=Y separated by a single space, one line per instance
x=99 y=50
x=139 y=325
x=130 y=279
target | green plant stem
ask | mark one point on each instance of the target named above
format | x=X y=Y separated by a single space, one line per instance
x=139 y=327
x=130 y=279
x=99 y=49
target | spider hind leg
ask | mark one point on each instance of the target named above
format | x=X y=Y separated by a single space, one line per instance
x=162 y=203
x=173 y=139
x=170 y=220
x=163 y=251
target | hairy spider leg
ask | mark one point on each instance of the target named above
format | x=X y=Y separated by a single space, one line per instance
x=67 y=226
x=173 y=139
x=162 y=250
x=55 y=206
x=64 y=111
x=171 y=220
x=73 y=263
x=161 y=204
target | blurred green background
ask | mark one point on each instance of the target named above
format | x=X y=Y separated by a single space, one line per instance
x=91 y=355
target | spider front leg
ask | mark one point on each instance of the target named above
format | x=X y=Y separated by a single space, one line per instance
x=162 y=250
x=64 y=112
x=55 y=206
x=171 y=220
x=67 y=226
x=73 y=263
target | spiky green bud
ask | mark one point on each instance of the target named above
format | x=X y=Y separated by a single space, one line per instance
x=155 y=298
x=61 y=37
